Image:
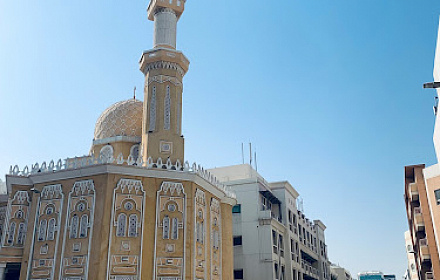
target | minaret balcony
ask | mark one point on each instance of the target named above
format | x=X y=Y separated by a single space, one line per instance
x=178 y=6
x=153 y=56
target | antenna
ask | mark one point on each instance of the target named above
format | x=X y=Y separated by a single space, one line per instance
x=250 y=153
x=255 y=156
x=242 y=153
x=134 y=93
x=300 y=204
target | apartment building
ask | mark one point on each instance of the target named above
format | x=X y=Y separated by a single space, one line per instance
x=272 y=238
x=420 y=224
x=412 y=272
x=340 y=273
x=422 y=200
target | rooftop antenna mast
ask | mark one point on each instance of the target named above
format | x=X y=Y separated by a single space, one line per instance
x=300 y=204
x=250 y=153
x=242 y=153
x=134 y=93
x=255 y=156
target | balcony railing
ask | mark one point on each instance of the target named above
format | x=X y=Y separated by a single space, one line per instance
x=418 y=219
x=414 y=191
x=309 y=269
x=424 y=250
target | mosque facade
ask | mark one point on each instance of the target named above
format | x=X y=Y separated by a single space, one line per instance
x=133 y=209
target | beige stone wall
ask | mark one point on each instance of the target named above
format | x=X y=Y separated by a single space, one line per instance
x=104 y=196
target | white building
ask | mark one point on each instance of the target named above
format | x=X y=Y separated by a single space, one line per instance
x=272 y=238
x=340 y=273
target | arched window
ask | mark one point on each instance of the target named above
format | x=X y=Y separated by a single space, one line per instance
x=51 y=229
x=84 y=224
x=42 y=230
x=74 y=226
x=121 y=225
x=11 y=233
x=19 y=214
x=153 y=110
x=134 y=153
x=49 y=210
x=216 y=239
x=106 y=154
x=202 y=233
x=175 y=234
x=166 y=227
x=132 y=226
x=199 y=232
x=167 y=110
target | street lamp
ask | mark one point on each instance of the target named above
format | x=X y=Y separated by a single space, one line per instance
x=433 y=85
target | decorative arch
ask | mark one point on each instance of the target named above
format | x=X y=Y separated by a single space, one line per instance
x=106 y=154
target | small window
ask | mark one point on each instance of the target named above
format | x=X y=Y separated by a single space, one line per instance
x=437 y=196
x=238 y=241
x=238 y=274
x=236 y=208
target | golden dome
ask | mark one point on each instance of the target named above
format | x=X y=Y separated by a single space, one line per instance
x=121 y=119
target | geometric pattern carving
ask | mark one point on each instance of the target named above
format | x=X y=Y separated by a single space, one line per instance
x=153 y=111
x=121 y=119
x=75 y=253
x=15 y=226
x=200 y=236
x=126 y=231
x=170 y=237
x=42 y=259
x=216 y=237
x=163 y=78
x=167 y=110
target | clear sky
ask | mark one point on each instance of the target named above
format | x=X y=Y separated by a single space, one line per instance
x=329 y=92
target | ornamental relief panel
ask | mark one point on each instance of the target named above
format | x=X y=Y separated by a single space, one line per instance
x=170 y=237
x=216 y=237
x=42 y=260
x=78 y=231
x=124 y=256
x=200 y=243
x=16 y=220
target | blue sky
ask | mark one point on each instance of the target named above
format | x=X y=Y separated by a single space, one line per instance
x=329 y=93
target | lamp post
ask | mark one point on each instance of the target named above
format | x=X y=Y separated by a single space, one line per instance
x=433 y=85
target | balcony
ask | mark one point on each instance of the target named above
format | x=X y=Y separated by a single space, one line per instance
x=424 y=250
x=414 y=191
x=418 y=219
x=429 y=276
x=309 y=269
x=265 y=217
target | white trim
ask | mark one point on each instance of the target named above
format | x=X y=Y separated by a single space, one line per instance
x=134 y=188
x=83 y=186
x=216 y=212
x=49 y=193
x=200 y=201
x=121 y=138
x=170 y=187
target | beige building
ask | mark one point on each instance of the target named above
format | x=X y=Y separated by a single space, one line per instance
x=273 y=239
x=133 y=209
x=422 y=199
x=340 y=273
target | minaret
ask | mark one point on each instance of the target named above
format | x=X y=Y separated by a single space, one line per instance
x=164 y=68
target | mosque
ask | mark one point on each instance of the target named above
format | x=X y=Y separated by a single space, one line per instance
x=132 y=209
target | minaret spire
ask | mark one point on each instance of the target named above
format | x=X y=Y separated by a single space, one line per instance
x=164 y=68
